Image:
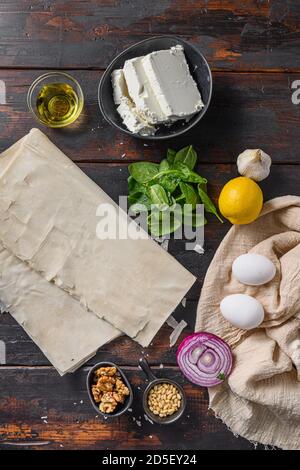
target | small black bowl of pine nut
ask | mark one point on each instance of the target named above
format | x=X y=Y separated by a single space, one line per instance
x=164 y=400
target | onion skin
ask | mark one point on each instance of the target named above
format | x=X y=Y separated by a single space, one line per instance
x=213 y=364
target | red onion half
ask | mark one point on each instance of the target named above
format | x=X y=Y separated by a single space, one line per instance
x=205 y=359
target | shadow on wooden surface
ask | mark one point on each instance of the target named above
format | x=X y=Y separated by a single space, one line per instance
x=247 y=111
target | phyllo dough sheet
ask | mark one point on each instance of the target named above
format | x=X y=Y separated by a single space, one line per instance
x=63 y=329
x=48 y=219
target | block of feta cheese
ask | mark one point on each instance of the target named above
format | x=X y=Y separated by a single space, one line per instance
x=142 y=91
x=119 y=85
x=157 y=88
x=173 y=86
x=161 y=86
x=133 y=120
x=126 y=108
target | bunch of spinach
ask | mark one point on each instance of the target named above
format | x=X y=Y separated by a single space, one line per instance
x=171 y=184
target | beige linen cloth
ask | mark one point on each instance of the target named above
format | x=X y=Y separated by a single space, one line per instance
x=54 y=267
x=261 y=400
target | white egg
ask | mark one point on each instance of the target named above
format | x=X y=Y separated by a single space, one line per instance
x=242 y=311
x=253 y=269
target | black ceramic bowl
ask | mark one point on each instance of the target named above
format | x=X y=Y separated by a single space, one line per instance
x=121 y=408
x=199 y=69
x=153 y=380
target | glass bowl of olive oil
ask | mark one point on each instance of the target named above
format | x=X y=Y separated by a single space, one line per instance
x=55 y=99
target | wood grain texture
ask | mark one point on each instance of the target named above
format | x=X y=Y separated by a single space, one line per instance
x=233 y=35
x=37 y=406
x=38 y=409
x=247 y=111
x=113 y=179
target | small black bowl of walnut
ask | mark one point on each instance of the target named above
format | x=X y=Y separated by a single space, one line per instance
x=109 y=390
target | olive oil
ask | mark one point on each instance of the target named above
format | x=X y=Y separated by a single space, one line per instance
x=58 y=104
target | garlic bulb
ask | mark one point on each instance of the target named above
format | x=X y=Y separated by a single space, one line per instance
x=254 y=163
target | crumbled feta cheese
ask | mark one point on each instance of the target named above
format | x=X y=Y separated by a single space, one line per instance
x=141 y=91
x=119 y=85
x=132 y=120
x=199 y=249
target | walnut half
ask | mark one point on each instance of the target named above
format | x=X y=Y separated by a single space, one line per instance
x=108 y=403
x=106 y=384
x=97 y=394
x=121 y=388
x=107 y=371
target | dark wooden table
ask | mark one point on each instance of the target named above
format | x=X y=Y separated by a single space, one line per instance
x=253 y=48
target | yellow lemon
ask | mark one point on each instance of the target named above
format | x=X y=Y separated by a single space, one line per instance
x=241 y=200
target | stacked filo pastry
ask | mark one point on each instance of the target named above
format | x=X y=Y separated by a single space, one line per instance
x=71 y=290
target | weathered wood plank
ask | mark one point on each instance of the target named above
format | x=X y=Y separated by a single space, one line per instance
x=247 y=111
x=233 y=35
x=284 y=179
x=36 y=405
x=20 y=350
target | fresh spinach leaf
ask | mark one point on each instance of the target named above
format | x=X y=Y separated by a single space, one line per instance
x=139 y=202
x=140 y=198
x=208 y=204
x=169 y=182
x=194 y=220
x=187 y=175
x=163 y=223
x=188 y=156
x=171 y=156
x=164 y=165
x=158 y=195
x=193 y=178
x=203 y=186
x=134 y=186
x=190 y=195
x=169 y=187
x=180 y=198
x=143 y=172
x=138 y=208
